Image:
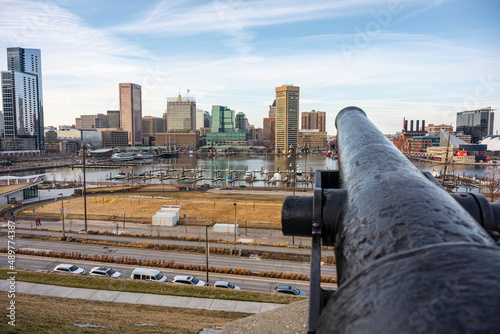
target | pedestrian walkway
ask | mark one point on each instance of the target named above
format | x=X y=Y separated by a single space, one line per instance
x=140 y=298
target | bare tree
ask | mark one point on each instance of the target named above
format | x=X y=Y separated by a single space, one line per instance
x=490 y=187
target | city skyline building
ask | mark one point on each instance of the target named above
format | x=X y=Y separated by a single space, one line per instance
x=131 y=112
x=23 y=101
x=92 y=121
x=241 y=122
x=152 y=125
x=287 y=118
x=476 y=123
x=312 y=120
x=114 y=119
x=181 y=113
x=223 y=128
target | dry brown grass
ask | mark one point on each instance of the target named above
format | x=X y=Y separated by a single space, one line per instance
x=41 y=314
x=199 y=208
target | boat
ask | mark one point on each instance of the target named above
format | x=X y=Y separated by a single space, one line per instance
x=120 y=176
x=119 y=156
x=143 y=155
x=170 y=154
x=299 y=171
x=248 y=176
x=275 y=178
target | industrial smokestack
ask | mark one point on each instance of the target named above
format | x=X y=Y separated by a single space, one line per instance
x=418 y=124
x=423 y=125
x=406 y=125
x=411 y=125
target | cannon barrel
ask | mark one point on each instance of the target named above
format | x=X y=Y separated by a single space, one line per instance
x=410 y=257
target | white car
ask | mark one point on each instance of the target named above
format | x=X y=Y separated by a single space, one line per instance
x=188 y=280
x=226 y=285
x=68 y=269
x=104 y=272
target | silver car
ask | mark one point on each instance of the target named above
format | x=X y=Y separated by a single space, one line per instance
x=104 y=272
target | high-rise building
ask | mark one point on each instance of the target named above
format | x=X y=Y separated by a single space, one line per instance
x=223 y=129
x=477 y=123
x=152 y=125
x=287 y=118
x=272 y=110
x=241 y=122
x=98 y=121
x=131 y=112
x=22 y=101
x=312 y=120
x=114 y=119
x=181 y=113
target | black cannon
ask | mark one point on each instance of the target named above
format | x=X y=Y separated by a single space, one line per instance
x=411 y=258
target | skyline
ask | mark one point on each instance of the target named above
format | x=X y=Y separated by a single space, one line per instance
x=404 y=59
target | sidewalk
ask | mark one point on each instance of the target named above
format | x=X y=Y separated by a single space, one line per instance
x=140 y=298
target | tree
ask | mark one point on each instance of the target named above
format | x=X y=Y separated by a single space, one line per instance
x=490 y=187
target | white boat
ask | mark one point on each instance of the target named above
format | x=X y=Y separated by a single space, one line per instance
x=122 y=156
x=120 y=175
x=276 y=178
x=143 y=155
x=248 y=176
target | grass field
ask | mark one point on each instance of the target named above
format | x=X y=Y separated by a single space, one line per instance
x=40 y=314
x=201 y=208
x=102 y=283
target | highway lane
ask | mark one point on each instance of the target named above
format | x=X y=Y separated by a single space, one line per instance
x=174 y=242
x=184 y=258
x=43 y=264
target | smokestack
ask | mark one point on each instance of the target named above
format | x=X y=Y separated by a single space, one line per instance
x=406 y=125
x=418 y=124
x=423 y=125
x=411 y=125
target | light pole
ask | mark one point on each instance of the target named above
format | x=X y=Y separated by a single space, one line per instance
x=62 y=214
x=206 y=249
x=234 y=228
x=123 y=219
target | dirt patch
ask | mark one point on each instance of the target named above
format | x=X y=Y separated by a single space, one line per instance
x=198 y=208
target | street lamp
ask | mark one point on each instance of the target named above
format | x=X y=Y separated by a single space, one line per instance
x=234 y=228
x=62 y=214
x=292 y=153
x=206 y=249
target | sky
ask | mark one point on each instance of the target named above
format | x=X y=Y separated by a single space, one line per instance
x=419 y=60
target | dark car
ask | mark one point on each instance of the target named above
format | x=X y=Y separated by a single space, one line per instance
x=289 y=290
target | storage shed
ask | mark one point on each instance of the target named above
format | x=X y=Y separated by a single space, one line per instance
x=167 y=216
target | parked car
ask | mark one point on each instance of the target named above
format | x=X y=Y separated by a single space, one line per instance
x=226 y=285
x=189 y=280
x=146 y=274
x=289 y=290
x=105 y=271
x=68 y=269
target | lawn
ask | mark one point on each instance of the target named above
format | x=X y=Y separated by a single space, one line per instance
x=41 y=314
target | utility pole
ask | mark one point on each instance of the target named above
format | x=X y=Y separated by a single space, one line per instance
x=234 y=228
x=62 y=214
x=206 y=249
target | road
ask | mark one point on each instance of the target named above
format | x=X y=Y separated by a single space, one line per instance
x=174 y=242
x=251 y=283
x=36 y=263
